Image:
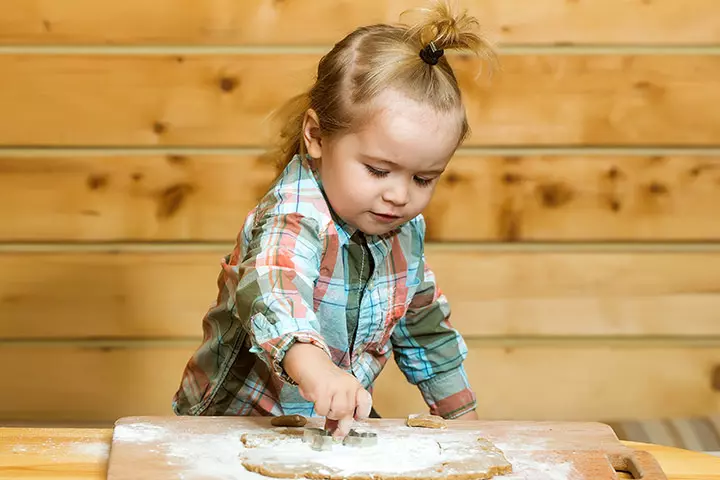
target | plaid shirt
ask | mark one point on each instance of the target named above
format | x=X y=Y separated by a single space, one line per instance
x=298 y=273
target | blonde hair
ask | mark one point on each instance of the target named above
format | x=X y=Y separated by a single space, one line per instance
x=374 y=58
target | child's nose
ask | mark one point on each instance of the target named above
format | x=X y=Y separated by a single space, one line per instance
x=398 y=194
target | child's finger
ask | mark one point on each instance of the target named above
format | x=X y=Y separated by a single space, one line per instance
x=343 y=427
x=322 y=405
x=340 y=406
x=363 y=402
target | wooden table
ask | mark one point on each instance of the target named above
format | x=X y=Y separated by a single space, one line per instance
x=44 y=453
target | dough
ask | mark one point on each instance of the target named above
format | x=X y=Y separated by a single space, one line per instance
x=289 y=421
x=404 y=456
x=425 y=420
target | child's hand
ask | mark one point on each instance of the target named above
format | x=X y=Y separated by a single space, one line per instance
x=337 y=395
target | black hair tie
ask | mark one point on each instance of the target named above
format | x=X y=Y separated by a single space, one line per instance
x=431 y=54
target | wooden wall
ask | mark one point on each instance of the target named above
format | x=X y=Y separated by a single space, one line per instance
x=576 y=233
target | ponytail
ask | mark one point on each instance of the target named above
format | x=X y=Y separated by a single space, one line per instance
x=373 y=58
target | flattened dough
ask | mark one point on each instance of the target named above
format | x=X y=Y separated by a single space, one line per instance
x=425 y=420
x=404 y=456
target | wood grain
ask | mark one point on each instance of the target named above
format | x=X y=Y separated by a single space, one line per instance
x=71 y=458
x=579 y=198
x=257 y=22
x=167 y=197
x=695 y=465
x=94 y=384
x=582 y=447
x=90 y=384
x=573 y=383
x=165 y=294
x=206 y=197
x=54 y=453
x=224 y=100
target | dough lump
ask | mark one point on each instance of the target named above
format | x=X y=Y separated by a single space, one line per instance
x=289 y=421
x=425 y=420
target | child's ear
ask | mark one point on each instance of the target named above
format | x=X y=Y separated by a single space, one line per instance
x=311 y=134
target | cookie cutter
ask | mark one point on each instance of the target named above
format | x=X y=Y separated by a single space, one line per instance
x=318 y=438
x=321 y=439
x=358 y=438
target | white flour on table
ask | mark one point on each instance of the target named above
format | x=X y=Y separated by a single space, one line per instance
x=63 y=451
x=217 y=456
x=388 y=456
x=139 y=432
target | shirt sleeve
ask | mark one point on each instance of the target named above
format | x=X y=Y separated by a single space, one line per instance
x=430 y=352
x=275 y=293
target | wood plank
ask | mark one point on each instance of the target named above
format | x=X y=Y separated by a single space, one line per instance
x=177 y=443
x=168 y=197
x=577 y=198
x=698 y=465
x=54 y=453
x=83 y=453
x=66 y=383
x=165 y=294
x=258 y=22
x=568 y=383
x=223 y=100
x=206 y=197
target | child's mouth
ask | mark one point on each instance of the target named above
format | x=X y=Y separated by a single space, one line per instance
x=385 y=218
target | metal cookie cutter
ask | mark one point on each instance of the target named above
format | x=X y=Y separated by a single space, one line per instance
x=318 y=438
x=358 y=438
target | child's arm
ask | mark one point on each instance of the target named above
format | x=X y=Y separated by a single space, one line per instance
x=335 y=393
x=275 y=293
x=430 y=352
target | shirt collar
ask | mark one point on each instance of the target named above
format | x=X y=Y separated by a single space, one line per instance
x=345 y=230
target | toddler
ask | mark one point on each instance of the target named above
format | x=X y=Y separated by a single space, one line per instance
x=328 y=278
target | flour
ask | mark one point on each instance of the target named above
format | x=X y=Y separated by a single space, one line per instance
x=201 y=456
x=53 y=451
x=65 y=451
x=527 y=467
x=531 y=461
x=100 y=450
x=139 y=432
x=210 y=456
x=526 y=444
x=414 y=455
x=390 y=455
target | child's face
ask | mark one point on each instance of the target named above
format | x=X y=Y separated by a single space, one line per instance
x=385 y=174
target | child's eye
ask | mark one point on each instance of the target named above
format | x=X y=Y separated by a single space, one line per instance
x=423 y=182
x=375 y=172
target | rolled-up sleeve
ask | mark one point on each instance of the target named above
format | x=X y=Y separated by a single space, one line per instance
x=275 y=293
x=430 y=352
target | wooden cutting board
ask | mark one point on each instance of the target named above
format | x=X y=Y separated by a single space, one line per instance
x=207 y=448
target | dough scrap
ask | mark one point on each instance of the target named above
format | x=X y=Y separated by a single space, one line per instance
x=289 y=421
x=286 y=456
x=425 y=420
